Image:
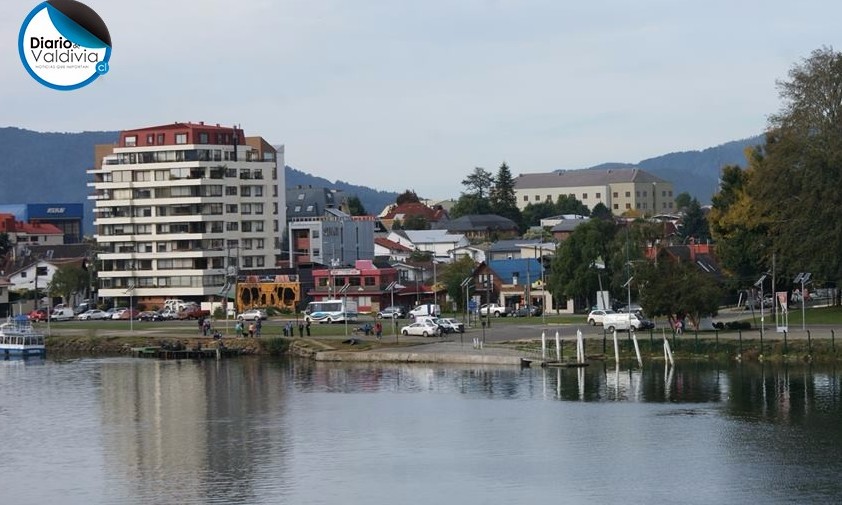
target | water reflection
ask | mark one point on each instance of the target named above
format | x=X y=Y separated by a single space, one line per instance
x=272 y=431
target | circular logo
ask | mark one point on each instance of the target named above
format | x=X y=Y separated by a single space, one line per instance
x=64 y=44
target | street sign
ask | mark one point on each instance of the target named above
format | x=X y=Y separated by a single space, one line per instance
x=472 y=305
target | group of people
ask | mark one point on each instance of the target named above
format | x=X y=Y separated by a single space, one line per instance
x=289 y=329
x=254 y=328
x=367 y=329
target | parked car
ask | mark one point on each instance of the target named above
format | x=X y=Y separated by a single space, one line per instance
x=424 y=328
x=150 y=315
x=169 y=314
x=38 y=315
x=84 y=306
x=92 y=314
x=492 y=309
x=528 y=310
x=253 y=315
x=451 y=325
x=596 y=316
x=392 y=312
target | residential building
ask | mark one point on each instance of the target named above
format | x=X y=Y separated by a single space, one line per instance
x=25 y=234
x=440 y=243
x=481 y=227
x=67 y=217
x=621 y=190
x=33 y=270
x=415 y=210
x=310 y=202
x=335 y=238
x=178 y=207
x=392 y=250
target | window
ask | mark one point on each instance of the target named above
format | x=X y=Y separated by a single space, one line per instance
x=180 y=138
x=232 y=226
x=231 y=208
x=628 y=206
x=537 y=198
x=628 y=194
x=616 y=195
x=584 y=196
x=131 y=140
x=245 y=191
x=598 y=196
x=245 y=208
x=525 y=198
x=663 y=193
x=616 y=206
x=644 y=194
x=160 y=139
x=637 y=206
x=315 y=234
x=150 y=139
x=301 y=196
x=231 y=190
x=309 y=208
x=259 y=243
x=297 y=208
x=637 y=194
x=259 y=262
x=670 y=193
x=203 y=138
x=258 y=191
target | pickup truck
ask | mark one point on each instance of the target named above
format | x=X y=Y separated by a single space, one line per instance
x=492 y=309
x=193 y=312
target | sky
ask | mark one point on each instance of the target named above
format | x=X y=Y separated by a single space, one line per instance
x=399 y=94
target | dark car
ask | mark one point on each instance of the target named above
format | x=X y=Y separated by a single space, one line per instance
x=528 y=310
x=150 y=315
x=392 y=312
x=645 y=324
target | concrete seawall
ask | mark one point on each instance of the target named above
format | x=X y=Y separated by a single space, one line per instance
x=418 y=357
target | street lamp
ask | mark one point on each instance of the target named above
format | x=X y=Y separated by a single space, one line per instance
x=344 y=292
x=803 y=278
x=391 y=288
x=759 y=284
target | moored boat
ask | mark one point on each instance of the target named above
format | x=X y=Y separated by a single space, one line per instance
x=19 y=338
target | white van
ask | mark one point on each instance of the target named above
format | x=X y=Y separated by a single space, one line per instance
x=63 y=314
x=175 y=304
x=620 y=321
x=425 y=309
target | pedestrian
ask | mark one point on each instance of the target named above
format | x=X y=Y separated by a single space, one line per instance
x=252 y=329
x=258 y=326
x=308 y=327
x=201 y=322
x=206 y=327
x=301 y=330
x=378 y=330
x=289 y=329
x=238 y=328
x=678 y=326
x=286 y=331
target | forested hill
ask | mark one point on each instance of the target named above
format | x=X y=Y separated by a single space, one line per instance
x=695 y=172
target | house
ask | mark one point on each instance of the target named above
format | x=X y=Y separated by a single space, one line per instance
x=482 y=227
x=402 y=212
x=33 y=270
x=24 y=234
x=383 y=247
x=438 y=242
x=334 y=238
x=563 y=228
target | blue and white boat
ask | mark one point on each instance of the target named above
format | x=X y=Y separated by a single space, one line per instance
x=19 y=338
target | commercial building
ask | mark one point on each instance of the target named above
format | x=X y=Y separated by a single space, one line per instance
x=179 y=207
x=621 y=190
x=67 y=217
x=334 y=238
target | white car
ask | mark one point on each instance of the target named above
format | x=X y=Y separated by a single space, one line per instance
x=596 y=316
x=492 y=309
x=90 y=315
x=252 y=315
x=451 y=325
x=424 y=328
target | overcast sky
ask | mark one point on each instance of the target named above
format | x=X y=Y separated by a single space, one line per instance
x=414 y=94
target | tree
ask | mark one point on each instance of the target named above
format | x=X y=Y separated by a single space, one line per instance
x=676 y=288
x=682 y=200
x=573 y=272
x=68 y=280
x=567 y=204
x=5 y=244
x=600 y=211
x=503 y=199
x=694 y=224
x=452 y=275
x=415 y=222
x=355 y=206
x=478 y=183
x=407 y=196
x=469 y=204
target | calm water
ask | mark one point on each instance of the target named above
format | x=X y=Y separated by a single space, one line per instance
x=124 y=430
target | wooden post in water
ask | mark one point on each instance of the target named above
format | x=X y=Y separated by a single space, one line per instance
x=557 y=346
x=833 y=340
x=668 y=352
x=637 y=349
x=740 y=333
x=543 y=345
x=785 y=342
x=616 y=349
x=809 y=343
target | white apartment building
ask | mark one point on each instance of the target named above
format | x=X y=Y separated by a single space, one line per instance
x=179 y=207
x=621 y=190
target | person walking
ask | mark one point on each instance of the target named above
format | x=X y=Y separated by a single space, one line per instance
x=238 y=328
x=301 y=330
x=308 y=327
x=252 y=329
x=258 y=326
x=378 y=330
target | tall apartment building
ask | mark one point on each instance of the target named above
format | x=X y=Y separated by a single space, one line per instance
x=179 y=206
x=621 y=190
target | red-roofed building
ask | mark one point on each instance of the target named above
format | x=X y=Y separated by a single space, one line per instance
x=393 y=250
x=407 y=210
x=25 y=234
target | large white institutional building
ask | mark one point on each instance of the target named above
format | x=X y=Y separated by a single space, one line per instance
x=178 y=207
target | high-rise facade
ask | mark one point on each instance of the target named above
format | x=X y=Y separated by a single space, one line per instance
x=179 y=207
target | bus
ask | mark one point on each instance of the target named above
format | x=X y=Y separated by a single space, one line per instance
x=330 y=311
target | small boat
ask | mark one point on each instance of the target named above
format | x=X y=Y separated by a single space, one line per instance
x=19 y=338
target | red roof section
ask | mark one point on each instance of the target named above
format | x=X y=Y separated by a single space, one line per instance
x=391 y=245
x=417 y=209
x=8 y=224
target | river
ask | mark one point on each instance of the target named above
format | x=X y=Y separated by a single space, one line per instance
x=259 y=430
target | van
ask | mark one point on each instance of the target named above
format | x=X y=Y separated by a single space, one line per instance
x=425 y=309
x=620 y=321
x=62 y=314
x=174 y=304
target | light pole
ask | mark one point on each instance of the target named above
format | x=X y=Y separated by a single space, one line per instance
x=803 y=278
x=435 y=290
x=344 y=292
x=759 y=284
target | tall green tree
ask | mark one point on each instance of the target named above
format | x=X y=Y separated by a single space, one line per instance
x=677 y=288
x=503 y=199
x=682 y=200
x=469 y=204
x=694 y=224
x=5 y=244
x=68 y=280
x=478 y=183
x=601 y=211
x=452 y=275
x=408 y=196
x=415 y=222
x=574 y=272
x=355 y=206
